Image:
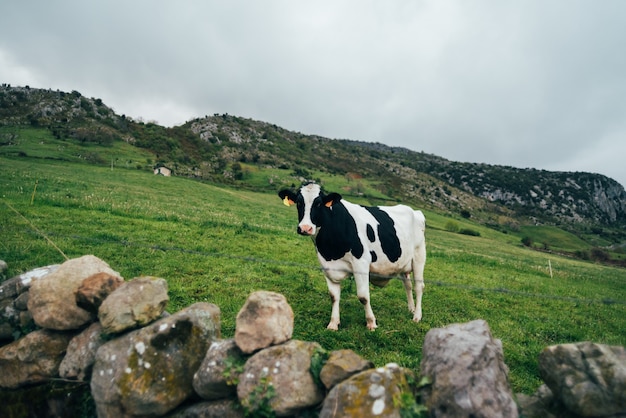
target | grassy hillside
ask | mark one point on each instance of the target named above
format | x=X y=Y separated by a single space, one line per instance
x=218 y=244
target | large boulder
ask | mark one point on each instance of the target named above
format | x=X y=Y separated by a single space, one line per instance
x=134 y=304
x=469 y=377
x=373 y=393
x=33 y=358
x=52 y=298
x=588 y=378
x=279 y=379
x=149 y=371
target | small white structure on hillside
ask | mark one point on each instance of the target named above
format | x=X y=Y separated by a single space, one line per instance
x=163 y=171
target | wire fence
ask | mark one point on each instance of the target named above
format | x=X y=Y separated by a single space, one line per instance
x=317 y=268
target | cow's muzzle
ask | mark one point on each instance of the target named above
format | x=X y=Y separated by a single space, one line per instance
x=306 y=230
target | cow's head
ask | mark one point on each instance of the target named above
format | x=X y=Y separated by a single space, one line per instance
x=313 y=206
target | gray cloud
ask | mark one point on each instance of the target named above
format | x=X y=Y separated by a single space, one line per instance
x=529 y=84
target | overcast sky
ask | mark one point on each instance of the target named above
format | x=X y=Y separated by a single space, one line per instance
x=527 y=83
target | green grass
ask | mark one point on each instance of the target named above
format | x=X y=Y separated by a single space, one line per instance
x=218 y=245
x=41 y=144
x=554 y=238
x=264 y=178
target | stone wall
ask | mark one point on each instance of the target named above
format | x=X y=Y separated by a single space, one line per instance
x=82 y=324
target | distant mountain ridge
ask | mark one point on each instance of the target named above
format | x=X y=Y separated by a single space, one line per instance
x=204 y=148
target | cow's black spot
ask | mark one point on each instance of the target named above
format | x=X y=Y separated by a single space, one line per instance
x=370 y=233
x=374 y=256
x=338 y=234
x=387 y=233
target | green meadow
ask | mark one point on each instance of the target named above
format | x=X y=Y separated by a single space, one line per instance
x=218 y=244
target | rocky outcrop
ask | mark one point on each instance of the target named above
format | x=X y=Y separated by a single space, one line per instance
x=178 y=366
x=570 y=197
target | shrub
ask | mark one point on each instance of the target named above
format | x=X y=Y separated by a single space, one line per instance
x=599 y=254
x=471 y=232
x=452 y=226
x=527 y=241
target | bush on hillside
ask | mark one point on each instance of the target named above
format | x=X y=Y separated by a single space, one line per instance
x=468 y=231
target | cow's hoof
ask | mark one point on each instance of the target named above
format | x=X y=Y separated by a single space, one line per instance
x=417 y=318
x=372 y=326
x=333 y=327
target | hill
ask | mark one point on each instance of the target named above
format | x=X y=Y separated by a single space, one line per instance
x=262 y=156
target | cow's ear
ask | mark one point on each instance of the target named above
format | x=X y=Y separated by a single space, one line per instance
x=288 y=197
x=331 y=199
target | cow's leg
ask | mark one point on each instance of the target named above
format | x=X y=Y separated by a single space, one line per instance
x=408 y=288
x=363 y=293
x=335 y=294
x=419 y=261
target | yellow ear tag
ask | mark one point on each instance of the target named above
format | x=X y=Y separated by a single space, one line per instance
x=328 y=204
x=287 y=201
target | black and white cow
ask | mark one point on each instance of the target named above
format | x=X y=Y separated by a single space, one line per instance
x=387 y=241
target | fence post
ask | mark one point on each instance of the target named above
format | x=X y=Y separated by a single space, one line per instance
x=550 y=267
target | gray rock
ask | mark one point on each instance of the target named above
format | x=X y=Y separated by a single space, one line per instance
x=134 y=304
x=265 y=319
x=33 y=358
x=149 y=371
x=468 y=374
x=279 y=378
x=81 y=353
x=219 y=372
x=588 y=378
x=342 y=364
x=52 y=299
x=372 y=393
